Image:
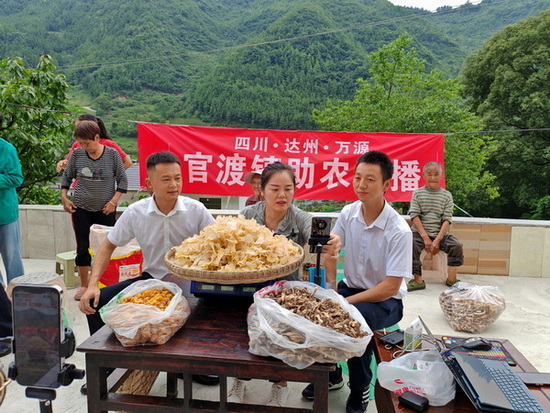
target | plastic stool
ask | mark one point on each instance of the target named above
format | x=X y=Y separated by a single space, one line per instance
x=65 y=265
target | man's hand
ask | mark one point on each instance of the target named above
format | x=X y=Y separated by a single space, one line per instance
x=92 y=293
x=427 y=244
x=434 y=249
x=333 y=246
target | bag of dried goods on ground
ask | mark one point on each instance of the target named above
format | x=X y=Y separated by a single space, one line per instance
x=471 y=308
x=146 y=312
x=301 y=323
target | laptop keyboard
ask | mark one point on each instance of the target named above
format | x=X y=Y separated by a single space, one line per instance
x=514 y=389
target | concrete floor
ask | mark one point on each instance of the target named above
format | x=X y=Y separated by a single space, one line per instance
x=524 y=323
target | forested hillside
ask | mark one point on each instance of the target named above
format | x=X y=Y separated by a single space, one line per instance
x=255 y=63
x=472 y=25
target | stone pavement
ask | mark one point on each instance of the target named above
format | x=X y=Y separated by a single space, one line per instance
x=524 y=323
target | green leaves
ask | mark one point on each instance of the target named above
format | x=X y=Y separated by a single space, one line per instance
x=402 y=97
x=507 y=84
x=36 y=122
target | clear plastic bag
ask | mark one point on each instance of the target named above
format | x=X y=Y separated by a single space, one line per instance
x=471 y=308
x=278 y=332
x=433 y=381
x=138 y=324
x=98 y=234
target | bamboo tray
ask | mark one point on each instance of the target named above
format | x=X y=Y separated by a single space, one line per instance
x=229 y=277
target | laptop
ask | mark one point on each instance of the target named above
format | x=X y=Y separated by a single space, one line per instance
x=491 y=385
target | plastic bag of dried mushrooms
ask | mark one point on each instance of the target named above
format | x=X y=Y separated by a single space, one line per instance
x=147 y=312
x=301 y=323
x=470 y=307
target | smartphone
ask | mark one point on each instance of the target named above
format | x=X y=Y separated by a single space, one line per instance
x=37 y=334
x=320 y=227
x=320 y=233
x=394 y=338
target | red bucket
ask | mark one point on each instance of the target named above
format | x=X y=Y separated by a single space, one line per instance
x=122 y=268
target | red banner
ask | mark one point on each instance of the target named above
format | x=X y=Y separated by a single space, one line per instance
x=215 y=160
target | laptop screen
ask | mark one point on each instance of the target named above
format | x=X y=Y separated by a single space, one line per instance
x=488 y=390
x=433 y=340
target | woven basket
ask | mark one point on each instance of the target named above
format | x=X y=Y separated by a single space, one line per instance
x=228 y=277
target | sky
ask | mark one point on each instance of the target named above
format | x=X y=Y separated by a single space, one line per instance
x=430 y=4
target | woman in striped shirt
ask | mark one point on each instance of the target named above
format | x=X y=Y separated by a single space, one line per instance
x=101 y=181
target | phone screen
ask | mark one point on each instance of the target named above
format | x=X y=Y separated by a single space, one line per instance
x=38 y=333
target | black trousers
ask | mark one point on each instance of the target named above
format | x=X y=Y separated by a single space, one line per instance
x=378 y=316
x=5 y=314
x=82 y=221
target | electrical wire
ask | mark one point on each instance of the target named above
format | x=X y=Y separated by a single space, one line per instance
x=411 y=16
x=139 y=121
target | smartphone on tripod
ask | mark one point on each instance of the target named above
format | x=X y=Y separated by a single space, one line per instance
x=37 y=334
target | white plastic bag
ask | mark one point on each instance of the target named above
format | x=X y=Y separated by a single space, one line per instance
x=278 y=332
x=138 y=324
x=470 y=307
x=98 y=233
x=433 y=380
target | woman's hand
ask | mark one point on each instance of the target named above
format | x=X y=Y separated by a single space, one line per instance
x=109 y=208
x=62 y=164
x=69 y=206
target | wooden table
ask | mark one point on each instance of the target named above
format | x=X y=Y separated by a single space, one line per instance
x=387 y=402
x=213 y=341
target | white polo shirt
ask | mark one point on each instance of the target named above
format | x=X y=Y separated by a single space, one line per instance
x=155 y=232
x=375 y=251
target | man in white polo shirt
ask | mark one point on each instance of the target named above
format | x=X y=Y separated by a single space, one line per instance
x=157 y=223
x=378 y=243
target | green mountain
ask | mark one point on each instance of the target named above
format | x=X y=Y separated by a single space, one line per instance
x=472 y=25
x=252 y=63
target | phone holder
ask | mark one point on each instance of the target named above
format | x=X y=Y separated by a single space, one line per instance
x=65 y=377
x=317 y=274
x=320 y=235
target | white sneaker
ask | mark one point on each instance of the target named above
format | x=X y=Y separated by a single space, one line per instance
x=278 y=396
x=236 y=394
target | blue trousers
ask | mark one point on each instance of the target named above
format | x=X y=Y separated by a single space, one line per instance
x=378 y=316
x=10 y=250
x=107 y=293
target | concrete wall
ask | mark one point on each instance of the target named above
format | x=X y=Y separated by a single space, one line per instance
x=519 y=248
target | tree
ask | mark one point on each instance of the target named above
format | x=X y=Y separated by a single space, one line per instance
x=507 y=84
x=36 y=122
x=401 y=97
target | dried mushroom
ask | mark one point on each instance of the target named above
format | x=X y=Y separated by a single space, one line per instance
x=324 y=312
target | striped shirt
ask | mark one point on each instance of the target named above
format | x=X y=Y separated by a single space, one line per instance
x=98 y=179
x=433 y=206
